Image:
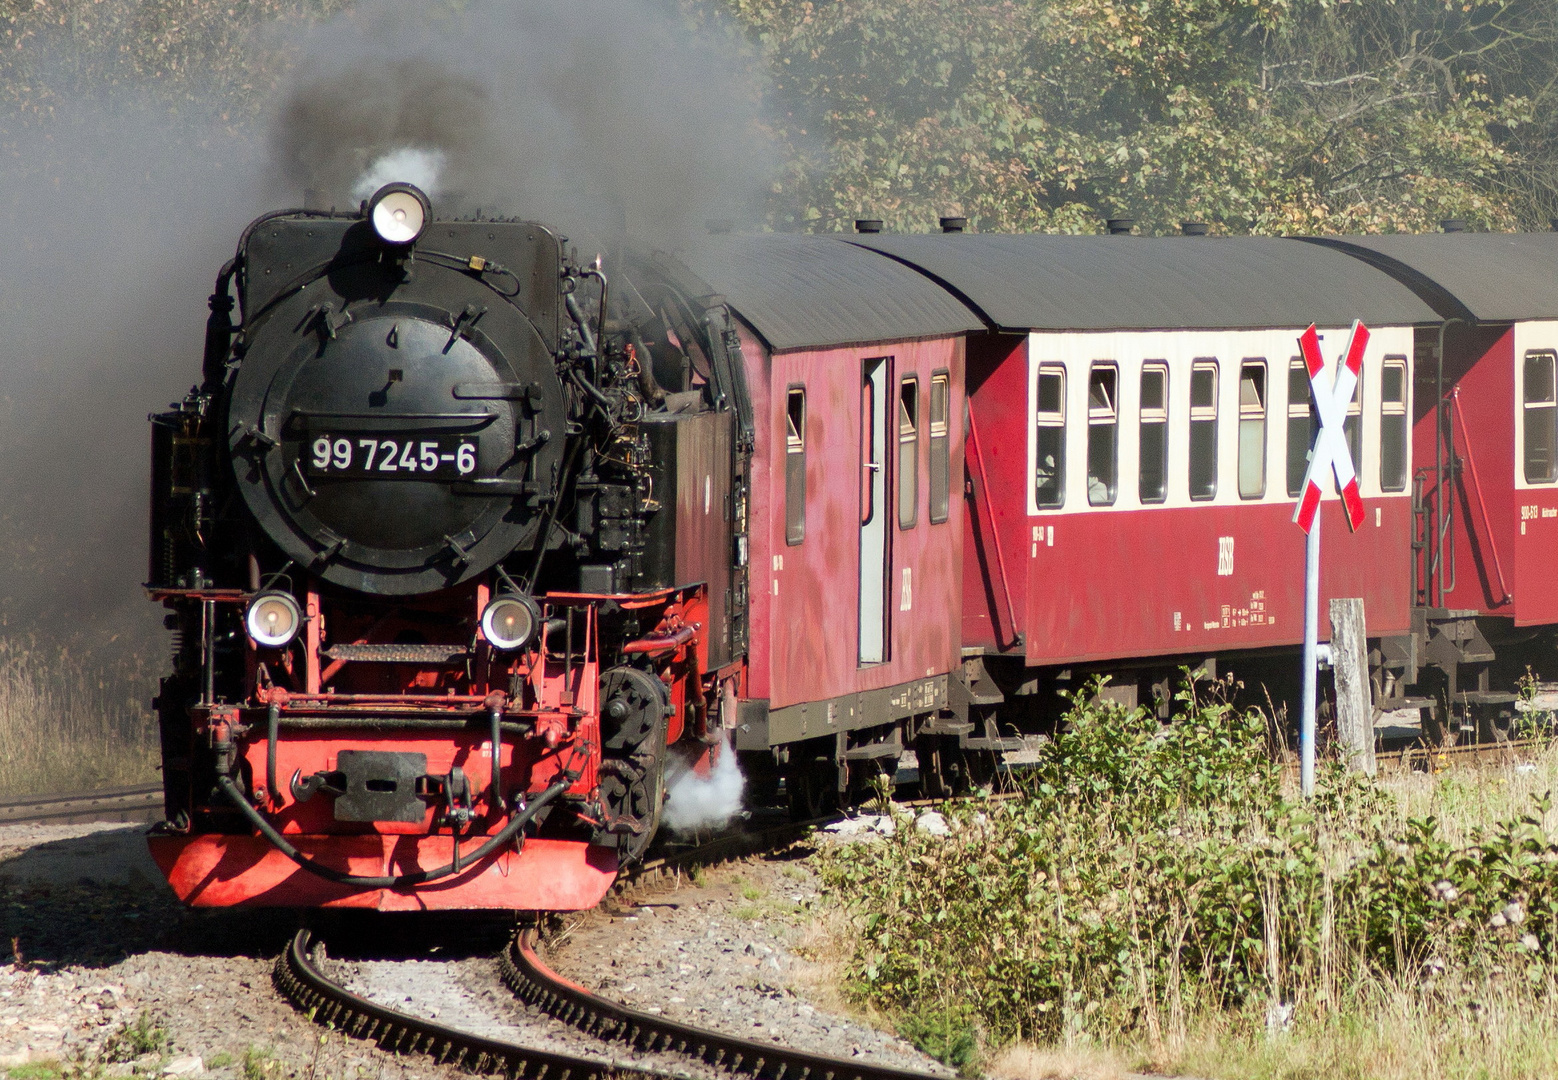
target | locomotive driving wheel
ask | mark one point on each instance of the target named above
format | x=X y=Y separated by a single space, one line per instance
x=634 y=706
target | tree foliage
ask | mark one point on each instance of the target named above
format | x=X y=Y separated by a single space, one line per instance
x=219 y=57
x=1255 y=115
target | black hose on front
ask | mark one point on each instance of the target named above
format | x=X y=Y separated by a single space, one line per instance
x=506 y=834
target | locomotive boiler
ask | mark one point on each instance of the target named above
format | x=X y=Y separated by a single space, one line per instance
x=452 y=543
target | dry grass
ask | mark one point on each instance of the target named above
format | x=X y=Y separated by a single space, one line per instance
x=1382 y=1033
x=1025 y=1061
x=1466 y=797
x=821 y=942
x=1474 y=1026
x=73 y=720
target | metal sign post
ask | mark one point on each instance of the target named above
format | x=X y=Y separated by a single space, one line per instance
x=1306 y=728
x=1330 y=452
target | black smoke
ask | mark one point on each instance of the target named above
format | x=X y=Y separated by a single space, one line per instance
x=596 y=116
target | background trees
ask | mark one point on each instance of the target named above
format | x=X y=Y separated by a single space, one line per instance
x=1259 y=115
x=1254 y=115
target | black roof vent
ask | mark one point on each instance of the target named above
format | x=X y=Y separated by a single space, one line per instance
x=719 y=225
x=954 y=224
x=1454 y=224
x=868 y=225
x=1193 y=228
x=1121 y=226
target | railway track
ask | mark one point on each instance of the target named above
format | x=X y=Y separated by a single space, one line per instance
x=1434 y=759
x=539 y=986
x=138 y=803
x=299 y=979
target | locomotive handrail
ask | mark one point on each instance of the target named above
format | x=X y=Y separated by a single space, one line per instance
x=461 y=861
x=485 y=416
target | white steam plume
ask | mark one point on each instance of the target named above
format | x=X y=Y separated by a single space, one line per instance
x=705 y=802
x=408 y=165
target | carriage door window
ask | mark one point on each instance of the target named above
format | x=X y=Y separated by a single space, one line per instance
x=1303 y=422
x=1152 y=483
x=1541 y=439
x=1203 y=429
x=1252 y=429
x=795 y=465
x=873 y=521
x=908 y=452
x=1103 y=428
x=1049 y=443
x=940 y=454
x=1393 y=424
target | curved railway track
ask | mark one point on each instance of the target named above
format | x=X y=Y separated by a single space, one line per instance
x=327 y=1002
x=541 y=987
x=299 y=978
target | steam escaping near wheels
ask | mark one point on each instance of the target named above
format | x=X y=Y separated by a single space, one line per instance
x=704 y=802
x=408 y=165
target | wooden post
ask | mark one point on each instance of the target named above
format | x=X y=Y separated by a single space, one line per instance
x=1350 y=666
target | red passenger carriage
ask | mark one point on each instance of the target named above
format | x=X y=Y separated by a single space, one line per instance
x=1139 y=428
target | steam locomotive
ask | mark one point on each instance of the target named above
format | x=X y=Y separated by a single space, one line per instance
x=453 y=541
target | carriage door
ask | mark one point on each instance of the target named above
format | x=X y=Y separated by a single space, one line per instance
x=873 y=511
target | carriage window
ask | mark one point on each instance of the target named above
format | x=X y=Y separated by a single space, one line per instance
x=940 y=452
x=1049 y=443
x=1203 y=429
x=1353 y=425
x=1393 y=424
x=1152 y=476
x=1541 y=409
x=908 y=452
x=1303 y=422
x=1103 y=427
x=1252 y=429
x=795 y=465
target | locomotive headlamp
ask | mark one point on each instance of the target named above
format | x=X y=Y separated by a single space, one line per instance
x=510 y=621
x=399 y=213
x=273 y=619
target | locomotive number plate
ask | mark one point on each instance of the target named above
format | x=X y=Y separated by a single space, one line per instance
x=403 y=455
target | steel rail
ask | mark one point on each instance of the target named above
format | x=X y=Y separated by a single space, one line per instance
x=540 y=987
x=326 y=1002
x=1504 y=753
x=138 y=803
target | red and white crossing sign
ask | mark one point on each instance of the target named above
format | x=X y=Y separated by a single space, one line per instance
x=1331 y=452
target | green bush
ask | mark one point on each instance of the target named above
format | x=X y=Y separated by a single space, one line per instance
x=1146 y=874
